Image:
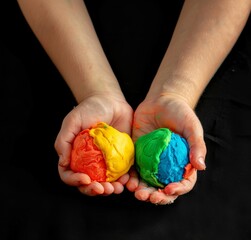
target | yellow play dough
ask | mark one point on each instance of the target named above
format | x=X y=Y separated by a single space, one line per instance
x=117 y=148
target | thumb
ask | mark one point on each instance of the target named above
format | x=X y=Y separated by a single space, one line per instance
x=63 y=143
x=195 y=137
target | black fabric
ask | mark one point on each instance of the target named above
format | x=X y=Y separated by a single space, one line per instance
x=135 y=35
x=35 y=99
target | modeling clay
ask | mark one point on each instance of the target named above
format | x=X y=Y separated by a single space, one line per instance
x=102 y=152
x=161 y=157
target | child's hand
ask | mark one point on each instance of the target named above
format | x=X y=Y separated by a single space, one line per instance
x=100 y=108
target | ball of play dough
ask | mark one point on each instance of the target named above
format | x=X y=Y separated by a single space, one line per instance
x=161 y=157
x=102 y=152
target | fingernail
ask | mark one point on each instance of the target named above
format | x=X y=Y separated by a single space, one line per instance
x=201 y=160
x=62 y=162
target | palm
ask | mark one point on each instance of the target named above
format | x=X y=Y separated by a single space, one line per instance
x=163 y=112
x=114 y=112
x=175 y=114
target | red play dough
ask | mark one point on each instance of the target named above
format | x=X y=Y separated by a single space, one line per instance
x=189 y=170
x=87 y=158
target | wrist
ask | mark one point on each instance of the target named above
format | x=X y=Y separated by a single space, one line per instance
x=178 y=86
x=108 y=86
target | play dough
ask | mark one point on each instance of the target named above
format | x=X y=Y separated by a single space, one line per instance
x=102 y=152
x=161 y=157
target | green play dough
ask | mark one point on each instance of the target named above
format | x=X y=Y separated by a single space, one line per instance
x=148 y=150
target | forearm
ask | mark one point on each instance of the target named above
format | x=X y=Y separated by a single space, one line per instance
x=66 y=32
x=205 y=33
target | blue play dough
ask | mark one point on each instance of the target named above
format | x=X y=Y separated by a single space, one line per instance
x=161 y=157
x=173 y=160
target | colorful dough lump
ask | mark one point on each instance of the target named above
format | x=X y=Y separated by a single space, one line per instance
x=102 y=152
x=161 y=157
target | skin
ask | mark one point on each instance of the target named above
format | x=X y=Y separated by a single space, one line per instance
x=205 y=33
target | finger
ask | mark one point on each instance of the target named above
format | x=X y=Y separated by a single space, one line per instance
x=124 y=179
x=63 y=143
x=73 y=179
x=118 y=187
x=195 y=137
x=64 y=151
x=160 y=198
x=143 y=192
x=93 y=189
x=182 y=187
x=197 y=153
x=133 y=182
x=108 y=188
x=119 y=184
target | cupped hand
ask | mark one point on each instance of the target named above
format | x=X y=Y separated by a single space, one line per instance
x=114 y=111
x=172 y=112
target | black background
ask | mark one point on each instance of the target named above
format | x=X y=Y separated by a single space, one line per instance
x=35 y=99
